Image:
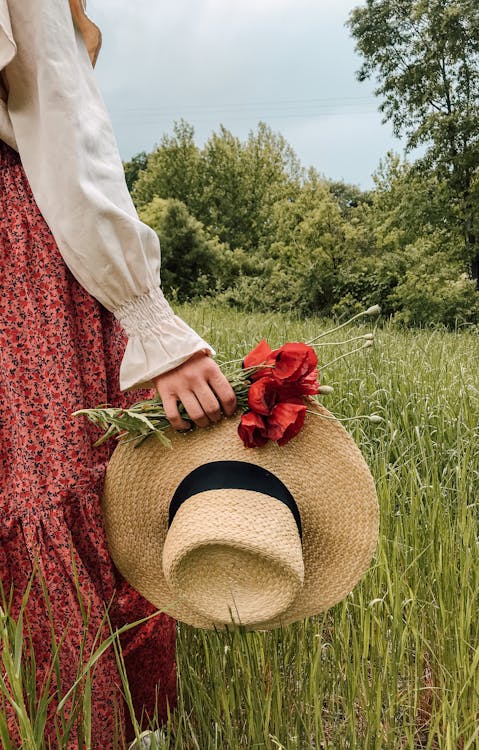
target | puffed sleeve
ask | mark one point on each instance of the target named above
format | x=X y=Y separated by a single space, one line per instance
x=7 y=53
x=69 y=153
x=7 y=44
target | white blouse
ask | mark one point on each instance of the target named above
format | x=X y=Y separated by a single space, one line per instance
x=56 y=119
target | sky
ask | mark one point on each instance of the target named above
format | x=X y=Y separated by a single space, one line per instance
x=289 y=63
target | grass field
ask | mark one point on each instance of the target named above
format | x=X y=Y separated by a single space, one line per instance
x=396 y=665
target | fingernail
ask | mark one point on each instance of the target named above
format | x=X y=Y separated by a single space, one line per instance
x=186 y=427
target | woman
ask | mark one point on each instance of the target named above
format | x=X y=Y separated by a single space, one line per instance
x=82 y=321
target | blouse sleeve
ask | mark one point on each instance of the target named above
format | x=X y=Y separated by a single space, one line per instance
x=69 y=153
x=7 y=44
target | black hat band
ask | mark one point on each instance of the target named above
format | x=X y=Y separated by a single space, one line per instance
x=233 y=475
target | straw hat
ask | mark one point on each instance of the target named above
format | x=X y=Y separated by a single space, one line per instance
x=212 y=531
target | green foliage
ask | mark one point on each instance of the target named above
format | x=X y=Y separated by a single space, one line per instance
x=194 y=264
x=287 y=239
x=241 y=182
x=172 y=170
x=414 y=266
x=424 y=54
x=270 y=287
x=230 y=186
x=189 y=257
x=244 y=223
x=348 y=196
x=133 y=168
x=430 y=290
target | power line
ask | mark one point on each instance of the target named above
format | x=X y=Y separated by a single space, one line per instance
x=135 y=118
x=313 y=102
x=266 y=116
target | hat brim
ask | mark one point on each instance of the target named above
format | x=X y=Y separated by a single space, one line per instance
x=323 y=469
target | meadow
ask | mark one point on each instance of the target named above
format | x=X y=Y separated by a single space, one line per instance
x=395 y=666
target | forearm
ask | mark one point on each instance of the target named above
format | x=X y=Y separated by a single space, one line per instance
x=69 y=153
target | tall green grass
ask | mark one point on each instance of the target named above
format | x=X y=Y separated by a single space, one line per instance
x=396 y=665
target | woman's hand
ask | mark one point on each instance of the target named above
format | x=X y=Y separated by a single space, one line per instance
x=202 y=389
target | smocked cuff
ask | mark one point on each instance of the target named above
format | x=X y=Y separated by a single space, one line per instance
x=158 y=340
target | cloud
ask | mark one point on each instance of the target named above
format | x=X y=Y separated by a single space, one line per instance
x=344 y=146
x=290 y=63
x=251 y=9
x=248 y=9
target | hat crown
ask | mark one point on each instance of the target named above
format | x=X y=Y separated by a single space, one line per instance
x=234 y=556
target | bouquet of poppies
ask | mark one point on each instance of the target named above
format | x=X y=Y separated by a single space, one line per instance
x=280 y=380
x=272 y=387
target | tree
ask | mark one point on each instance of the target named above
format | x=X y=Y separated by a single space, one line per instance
x=243 y=181
x=424 y=55
x=172 y=170
x=132 y=168
x=309 y=239
x=414 y=268
x=348 y=196
x=189 y=257
x=230 y=185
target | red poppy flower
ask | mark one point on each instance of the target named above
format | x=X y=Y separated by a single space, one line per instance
x=285 y=421
x=294 y=361
x=275 y=396
x=309 y=385
x=261 y=354
x=251 y=430
x=263 y=395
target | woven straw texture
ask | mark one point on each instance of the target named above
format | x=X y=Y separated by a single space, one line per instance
x=239 y=541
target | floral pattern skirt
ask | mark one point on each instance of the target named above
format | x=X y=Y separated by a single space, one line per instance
x=60 y=351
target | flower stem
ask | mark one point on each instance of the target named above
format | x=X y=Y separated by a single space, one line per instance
x=367 y=345
x=374 y=418
x=370 y=311
x=366 y=337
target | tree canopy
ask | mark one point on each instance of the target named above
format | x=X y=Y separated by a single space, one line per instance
x=424 y=56
x=244 y=223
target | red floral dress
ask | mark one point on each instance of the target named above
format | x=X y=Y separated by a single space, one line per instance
x=60 y=350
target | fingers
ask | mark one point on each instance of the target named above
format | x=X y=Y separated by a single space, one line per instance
x=170 y=405
x=208 y=402
x=201 y=387
x=195 y=410
x=224 y=392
